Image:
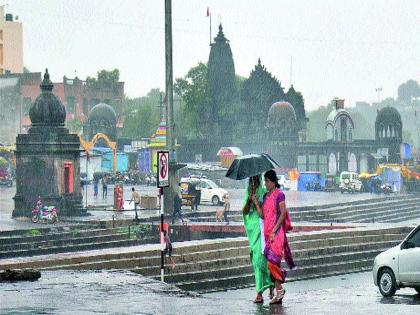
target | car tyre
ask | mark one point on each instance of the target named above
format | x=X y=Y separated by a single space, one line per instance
x=386 y=282
x=215 y=200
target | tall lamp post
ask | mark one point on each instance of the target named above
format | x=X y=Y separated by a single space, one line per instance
x=170 y=131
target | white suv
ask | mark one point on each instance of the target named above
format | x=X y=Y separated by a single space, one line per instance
x=284 y=182
x=349 y=182
x=399 y=266
x=210 y=192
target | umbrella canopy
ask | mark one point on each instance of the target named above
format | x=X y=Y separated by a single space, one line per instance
x=250 y=165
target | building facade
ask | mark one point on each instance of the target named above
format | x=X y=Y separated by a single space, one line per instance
x=18 y=91
x=11 y=44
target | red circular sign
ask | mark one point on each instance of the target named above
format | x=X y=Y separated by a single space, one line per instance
x=163 y=165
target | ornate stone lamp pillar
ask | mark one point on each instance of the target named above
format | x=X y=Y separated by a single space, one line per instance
x=48 y=159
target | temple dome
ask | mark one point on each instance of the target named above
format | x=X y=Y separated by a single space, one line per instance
x=281 y=111
x=102 y=111
x=388 y=124
x=388 y=115
x=47 y=109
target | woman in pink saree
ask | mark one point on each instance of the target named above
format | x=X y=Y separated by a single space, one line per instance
x=276 y=224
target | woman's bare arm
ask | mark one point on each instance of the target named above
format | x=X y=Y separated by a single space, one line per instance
x=282 y=217
x=258 y=206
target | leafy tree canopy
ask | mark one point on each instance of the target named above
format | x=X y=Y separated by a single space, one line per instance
x=105 y=79
x=408 y=90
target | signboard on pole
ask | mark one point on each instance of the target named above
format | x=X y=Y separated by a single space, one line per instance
x=163 y=168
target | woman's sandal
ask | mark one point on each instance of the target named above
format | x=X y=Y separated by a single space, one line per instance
x=259 y=300
x=279 y=297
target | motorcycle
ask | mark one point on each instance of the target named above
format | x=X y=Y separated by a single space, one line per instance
x=386 y=189
x=47 y=213
x=6 y=181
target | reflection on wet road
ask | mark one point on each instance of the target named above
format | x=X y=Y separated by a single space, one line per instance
x=108 y=292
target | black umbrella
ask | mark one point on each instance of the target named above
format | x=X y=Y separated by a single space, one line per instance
x=250 y=165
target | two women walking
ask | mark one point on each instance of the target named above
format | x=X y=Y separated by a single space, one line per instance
x=266 y=221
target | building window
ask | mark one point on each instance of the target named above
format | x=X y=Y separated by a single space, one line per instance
x=350 y=134
x=85 y=107
x=71 y=103
x=312 y=163
x=336 y=135
x=1 y=34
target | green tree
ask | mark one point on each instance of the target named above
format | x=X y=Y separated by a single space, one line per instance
x=191 y=89
x=105 y=79
x=218 y=116
x=258 y=93
x=75 y=126
x=408 y=90
x=141 y=115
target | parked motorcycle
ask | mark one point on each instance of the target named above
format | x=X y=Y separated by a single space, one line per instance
x=46 y=214
x=386 y=189
x=6 y=181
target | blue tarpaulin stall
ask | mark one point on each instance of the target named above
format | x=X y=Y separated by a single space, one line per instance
x=310 y=177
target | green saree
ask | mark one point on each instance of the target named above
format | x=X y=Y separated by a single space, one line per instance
x=253 y=231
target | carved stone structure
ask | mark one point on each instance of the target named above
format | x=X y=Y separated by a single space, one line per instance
x=103 y=119
x=48 y=159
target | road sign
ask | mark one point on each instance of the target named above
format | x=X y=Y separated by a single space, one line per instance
x=163 y=169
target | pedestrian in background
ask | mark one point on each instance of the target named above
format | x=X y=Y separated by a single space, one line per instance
x=177 y=206
x=105 y=186
x=227 y=207
x=135 y=197
x=95 y=187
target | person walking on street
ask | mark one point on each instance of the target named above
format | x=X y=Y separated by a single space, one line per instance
x=276 y=223
x=197 y=195
x=227 y=207
x=95 y=187
x=177 y=208
x=136 y=198
x=168 y=247
x=253 y=228
x=105 y=186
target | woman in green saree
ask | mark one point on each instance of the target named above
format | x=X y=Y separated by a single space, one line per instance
x=252 y=223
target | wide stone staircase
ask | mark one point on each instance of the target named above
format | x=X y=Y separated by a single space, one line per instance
x=44 y=241
x=385 y=209
x=219 y=264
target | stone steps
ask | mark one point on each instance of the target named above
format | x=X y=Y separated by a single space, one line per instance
x=347 y=214
x=328 y=213
x=378 y=211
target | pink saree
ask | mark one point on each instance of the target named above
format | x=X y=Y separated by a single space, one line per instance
x=279 y=248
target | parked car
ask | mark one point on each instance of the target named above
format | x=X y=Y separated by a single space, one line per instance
x=399 y=266
x=284 y=181
x=210 y=191
x=349 y=182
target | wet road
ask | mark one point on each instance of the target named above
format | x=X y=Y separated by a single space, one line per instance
x=107 y=292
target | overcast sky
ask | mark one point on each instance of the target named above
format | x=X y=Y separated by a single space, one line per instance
x=343 y=48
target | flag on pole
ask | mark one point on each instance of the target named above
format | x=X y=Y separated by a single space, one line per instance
x=208 y=12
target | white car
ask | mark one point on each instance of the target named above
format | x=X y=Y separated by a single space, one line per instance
x=284 y=182
x=349 y=182
x=210 y=191
x=399 y=266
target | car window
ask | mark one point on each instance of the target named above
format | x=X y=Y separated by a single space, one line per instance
x=204 y=185
x=345 y=176
x=415 y=238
